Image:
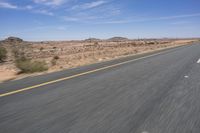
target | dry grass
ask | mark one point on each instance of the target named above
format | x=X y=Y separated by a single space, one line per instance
x=28 y=66
x=68 y=54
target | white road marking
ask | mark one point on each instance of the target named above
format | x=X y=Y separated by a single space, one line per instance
x=145 y=132
x=198 y=61
x=83 y=73
x=186 y=76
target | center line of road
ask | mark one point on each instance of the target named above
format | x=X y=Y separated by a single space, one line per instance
x=78 y=75
x=186 y=76
x=198 y=61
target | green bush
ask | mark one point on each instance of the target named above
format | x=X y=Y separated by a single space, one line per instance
x=3 y=54
x=28 y=66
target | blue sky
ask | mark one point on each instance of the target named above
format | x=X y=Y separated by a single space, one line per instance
x=80 y=19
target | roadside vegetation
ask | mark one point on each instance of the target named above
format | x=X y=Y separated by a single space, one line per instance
x=29 y=66
x=3 y=54
x=54 y=60
x=30 y=57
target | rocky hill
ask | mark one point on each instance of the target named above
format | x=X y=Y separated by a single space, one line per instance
x=92 y=40
x=118 y=39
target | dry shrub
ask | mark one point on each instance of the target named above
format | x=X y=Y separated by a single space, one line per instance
x=3 y=54
x=54 y=60
x=28 y=66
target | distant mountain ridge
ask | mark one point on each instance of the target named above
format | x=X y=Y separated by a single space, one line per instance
x=117 y=39
x=92 y=40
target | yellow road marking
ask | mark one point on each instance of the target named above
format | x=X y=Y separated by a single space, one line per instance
x=77 y=75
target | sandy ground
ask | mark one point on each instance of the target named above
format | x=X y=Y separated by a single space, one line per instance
x=7 y=72
x=79 y=54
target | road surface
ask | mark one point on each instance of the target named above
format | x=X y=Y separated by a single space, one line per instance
x=150 y=93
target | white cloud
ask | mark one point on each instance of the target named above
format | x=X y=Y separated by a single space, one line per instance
x=82 y=17
x=29 y=7
x=115 y=22
x=89 y=5
x=168 y=17
x=180 y=22
x=93 y=4
x=122 y=21
x=61 y=28
x=50 y=2
x=44 y=12
x=7 y=5
x=179 y=16
x=74 y=19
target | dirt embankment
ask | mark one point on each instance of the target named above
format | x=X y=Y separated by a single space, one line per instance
x=67 y=54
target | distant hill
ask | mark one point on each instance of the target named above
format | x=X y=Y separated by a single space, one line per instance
x=92 y=40
x=13 y=40
x=118 y=39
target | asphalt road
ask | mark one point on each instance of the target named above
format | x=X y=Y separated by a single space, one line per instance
x=158 y=93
